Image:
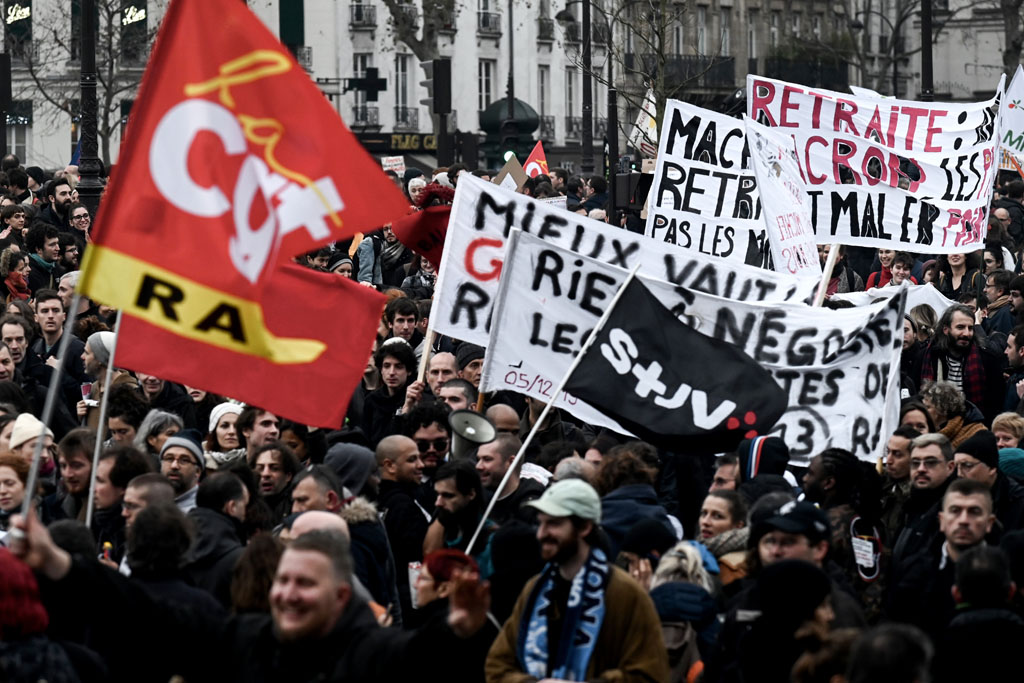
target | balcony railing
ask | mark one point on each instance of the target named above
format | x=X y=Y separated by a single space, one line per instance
x=572 y=33
x=444 y=19
x=406 y=14
x=545 y=29
x=488 y=23
x=573 y=127
x=304 y=56
x=547 y=127
x=363 y=16
x=365 y=115
x=407 y=118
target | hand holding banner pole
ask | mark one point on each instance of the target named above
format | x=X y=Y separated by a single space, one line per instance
x=547 y=407
x=47 y=416
x=826 y=275
x=103 y=421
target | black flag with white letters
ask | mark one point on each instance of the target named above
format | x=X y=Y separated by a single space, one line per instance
x=671 y=385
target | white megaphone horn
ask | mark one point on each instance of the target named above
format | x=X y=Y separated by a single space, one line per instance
x=469 y=430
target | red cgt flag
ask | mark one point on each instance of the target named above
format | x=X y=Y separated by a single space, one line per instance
x=536 y=163
x=235 y=163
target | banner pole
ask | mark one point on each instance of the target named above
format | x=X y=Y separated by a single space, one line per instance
x=47 y=416
x=103 y=421
x=547 y=407
x=428 y=346
x=826 y=274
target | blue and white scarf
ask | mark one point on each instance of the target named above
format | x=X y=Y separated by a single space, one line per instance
x=581 y=622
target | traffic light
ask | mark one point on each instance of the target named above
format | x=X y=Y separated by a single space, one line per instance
x=438 y=83
x=508 y=139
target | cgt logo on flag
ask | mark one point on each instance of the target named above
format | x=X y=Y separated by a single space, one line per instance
x=234 y=163
x=294 y=201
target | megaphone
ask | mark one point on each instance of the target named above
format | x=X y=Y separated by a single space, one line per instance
x=469 y=430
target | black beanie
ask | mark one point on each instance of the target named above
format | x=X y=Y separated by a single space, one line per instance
x=647 y=536
x=762 y=455
x=982 y=446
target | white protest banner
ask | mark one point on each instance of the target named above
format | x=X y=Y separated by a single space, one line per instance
x=1011 y=115
x=786 y=206
x=644 y=136
x=483 y=214
x=701 y=191
x=888 y=173
x=868 y=93
x=839 y=368
x=396 y=164
x=916 y=296
x=903 y=125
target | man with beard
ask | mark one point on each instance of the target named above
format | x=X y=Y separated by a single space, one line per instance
x=954 y=355
x=427 y=425
x=58 y=210
x=181 y=461
x=459 y=507
x=66 y=290
x=608 y=629
x=74 y=456
x=1015 y=365
x=69 y=252
x=276 y=466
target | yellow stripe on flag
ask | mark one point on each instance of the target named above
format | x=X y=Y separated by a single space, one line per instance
x=187 y=308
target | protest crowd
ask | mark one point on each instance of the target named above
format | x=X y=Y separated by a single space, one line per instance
x=676 y=437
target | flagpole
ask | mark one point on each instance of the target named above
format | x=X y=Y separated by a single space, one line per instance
x=428 y=346
x=47 y=416
x=547 y=407
x=826 y=274
x=103 y=421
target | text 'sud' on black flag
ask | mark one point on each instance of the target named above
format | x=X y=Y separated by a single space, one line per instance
x=671 y=385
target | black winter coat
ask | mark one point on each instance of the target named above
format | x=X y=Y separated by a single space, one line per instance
x=245 y=648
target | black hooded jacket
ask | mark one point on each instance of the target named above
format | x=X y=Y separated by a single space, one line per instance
x=219 y=544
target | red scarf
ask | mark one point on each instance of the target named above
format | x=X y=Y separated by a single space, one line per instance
x=16 y=286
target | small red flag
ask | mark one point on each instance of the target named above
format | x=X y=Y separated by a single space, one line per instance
x=424 y=231
x=234 y=164
x=536 y=163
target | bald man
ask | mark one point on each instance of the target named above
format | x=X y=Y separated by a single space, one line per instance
x=504 y=418
x=442 y=367
x=401 y=469
x=317 y=519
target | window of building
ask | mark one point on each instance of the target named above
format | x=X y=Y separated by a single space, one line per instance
x=485 y=82
x=752 y=19
x=19 y=127
x=816 y=26
x=543 y=88
x=725 y=17
x=570 y=91
x=292 y=19
x=773 y=30
x=361 y=61
x=702 y=26
x=796 y=24
x=402 y=80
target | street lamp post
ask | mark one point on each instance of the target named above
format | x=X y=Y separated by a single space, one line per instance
x=90 y=187
x=927 y=85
